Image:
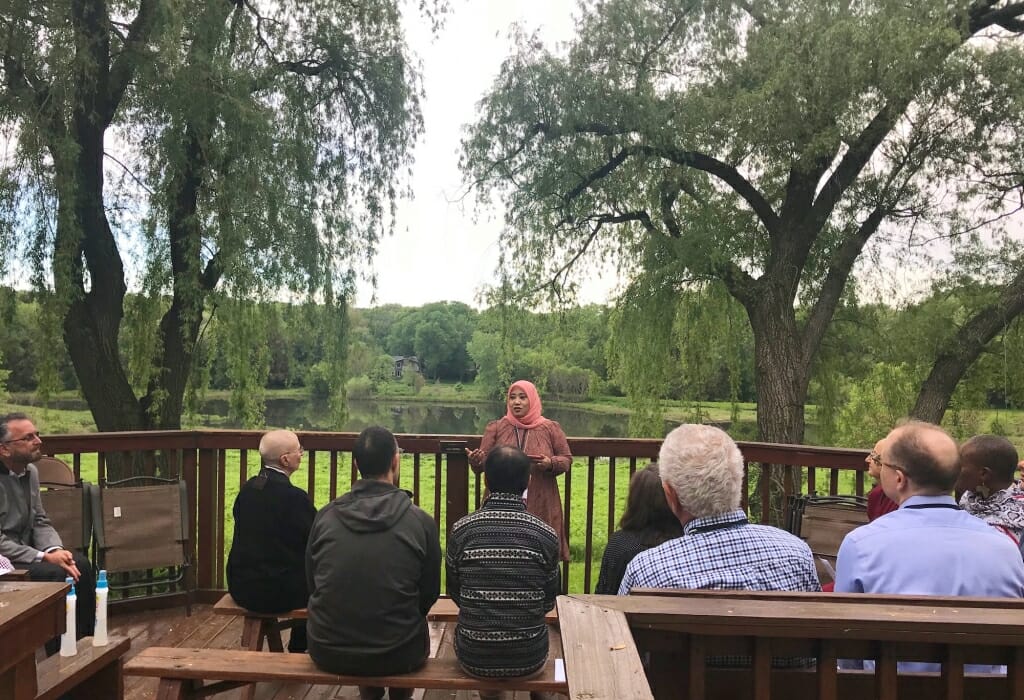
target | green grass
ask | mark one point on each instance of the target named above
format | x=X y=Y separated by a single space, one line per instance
x=54 y=421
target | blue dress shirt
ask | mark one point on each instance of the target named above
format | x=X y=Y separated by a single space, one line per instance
x=930 y=547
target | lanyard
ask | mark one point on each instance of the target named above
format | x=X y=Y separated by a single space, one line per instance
x=718 y=526
x=922 y=506
x=520 y=442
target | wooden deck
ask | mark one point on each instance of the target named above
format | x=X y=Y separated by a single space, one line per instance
x=203 y=629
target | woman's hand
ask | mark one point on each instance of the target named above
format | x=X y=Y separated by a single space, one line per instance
x=542 y=461
x=475 y=456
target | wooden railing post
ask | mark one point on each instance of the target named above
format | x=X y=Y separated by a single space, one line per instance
x=456 y=481
x=208 y=519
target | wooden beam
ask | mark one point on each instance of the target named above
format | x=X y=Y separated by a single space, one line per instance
x=601 y=659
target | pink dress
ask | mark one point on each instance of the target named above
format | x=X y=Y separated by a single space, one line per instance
x=547 y=439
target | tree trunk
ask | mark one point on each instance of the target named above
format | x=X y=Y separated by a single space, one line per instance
x=964 y=349
x=782 y=377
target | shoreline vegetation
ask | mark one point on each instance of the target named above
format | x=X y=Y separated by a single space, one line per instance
x=61 y=420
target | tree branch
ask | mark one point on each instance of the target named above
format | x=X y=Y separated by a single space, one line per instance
x=835 y=280
x=964 y=348
x=140 y=32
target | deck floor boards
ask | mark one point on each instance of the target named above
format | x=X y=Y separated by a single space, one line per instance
x=203 y=629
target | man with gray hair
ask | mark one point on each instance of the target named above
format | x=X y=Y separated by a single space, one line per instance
x=702 y=474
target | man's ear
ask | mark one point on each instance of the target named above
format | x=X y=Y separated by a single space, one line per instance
x=671 y=498
x=396 y=463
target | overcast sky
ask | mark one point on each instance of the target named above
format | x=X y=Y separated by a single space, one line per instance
x=438 y=252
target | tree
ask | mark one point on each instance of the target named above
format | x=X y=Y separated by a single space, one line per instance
x=246 y=148
x=760 y=144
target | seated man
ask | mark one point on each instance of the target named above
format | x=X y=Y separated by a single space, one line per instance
x=373 y=568
x=266 y=565
x=26 y=536
x=988 y=464
x=502 y=571
x=929 y=546
x=702 y=474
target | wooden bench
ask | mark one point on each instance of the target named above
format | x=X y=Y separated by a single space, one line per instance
x=681 y=630
x=183 y=672
x=260 y=627
x=94 y=673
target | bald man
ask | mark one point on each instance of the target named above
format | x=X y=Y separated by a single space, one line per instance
x=266 y=566
x=928 y=546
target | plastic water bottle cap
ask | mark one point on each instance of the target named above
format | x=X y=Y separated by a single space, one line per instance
x=101 y=582
x=72 y=591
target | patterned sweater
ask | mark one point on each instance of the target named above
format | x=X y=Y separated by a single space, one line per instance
x=502 y=571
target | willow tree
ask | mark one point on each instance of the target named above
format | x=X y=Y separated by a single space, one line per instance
x=762 y=145
x=242 y=148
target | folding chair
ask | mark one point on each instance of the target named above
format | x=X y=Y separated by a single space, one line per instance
x=66 y=502
x=143 y=528
x=823 y=523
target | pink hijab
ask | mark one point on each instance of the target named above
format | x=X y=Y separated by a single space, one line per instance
x=533 y=418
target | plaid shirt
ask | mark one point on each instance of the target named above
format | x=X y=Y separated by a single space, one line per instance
x=725 y=552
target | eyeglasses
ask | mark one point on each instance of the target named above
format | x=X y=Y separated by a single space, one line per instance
x=26 y=438
x=878 y=461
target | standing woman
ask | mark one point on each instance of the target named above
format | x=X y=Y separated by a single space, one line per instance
x=543 y=441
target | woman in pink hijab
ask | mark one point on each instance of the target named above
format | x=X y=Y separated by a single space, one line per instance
x=543 y=440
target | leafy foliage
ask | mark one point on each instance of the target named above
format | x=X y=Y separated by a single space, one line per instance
x=217 y=150
x=765 y=145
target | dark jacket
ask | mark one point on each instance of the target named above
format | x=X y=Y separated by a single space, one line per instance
x=266 y=566
x=373 y=567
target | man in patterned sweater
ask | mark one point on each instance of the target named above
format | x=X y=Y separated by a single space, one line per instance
x=502 y=566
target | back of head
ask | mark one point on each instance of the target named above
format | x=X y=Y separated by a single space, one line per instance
x=507 y=470
x=927 y=456
x=374 y=451
x=647 y=512
x=276 y=443
x=704 y=467
x=994 y=452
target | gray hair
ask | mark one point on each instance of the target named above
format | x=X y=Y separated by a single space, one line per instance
x=704 y=467
x=7 y=418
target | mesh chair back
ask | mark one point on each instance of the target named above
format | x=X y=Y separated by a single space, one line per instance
x=69 y=513
x=825 y=522
x=143 y=527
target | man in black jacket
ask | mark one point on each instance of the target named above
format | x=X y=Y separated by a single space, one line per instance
x=373 y=567
x=266 y=566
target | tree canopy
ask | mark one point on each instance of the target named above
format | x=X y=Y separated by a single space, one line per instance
x=202 y=151
x=764 y=146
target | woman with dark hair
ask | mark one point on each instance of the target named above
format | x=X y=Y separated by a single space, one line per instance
x=647 y=522
x=543 y=441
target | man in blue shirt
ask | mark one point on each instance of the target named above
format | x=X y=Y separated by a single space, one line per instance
x=929 y=546
x=701 y=471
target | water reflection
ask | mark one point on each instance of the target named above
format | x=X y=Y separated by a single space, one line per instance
x=401 y=417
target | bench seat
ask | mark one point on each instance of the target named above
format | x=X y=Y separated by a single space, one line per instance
x=181 y=671
x=94 y=672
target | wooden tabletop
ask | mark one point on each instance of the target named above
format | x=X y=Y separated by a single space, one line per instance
x=30 y=615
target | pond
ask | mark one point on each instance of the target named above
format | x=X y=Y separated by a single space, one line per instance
x=408 y=417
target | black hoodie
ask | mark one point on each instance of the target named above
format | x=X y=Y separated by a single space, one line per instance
x=373 y=566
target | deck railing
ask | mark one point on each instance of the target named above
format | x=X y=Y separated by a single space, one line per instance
x=215 y=463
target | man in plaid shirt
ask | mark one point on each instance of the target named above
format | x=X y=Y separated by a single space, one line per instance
x=702 y=473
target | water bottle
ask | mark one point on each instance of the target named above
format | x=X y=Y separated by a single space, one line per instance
x=99 y=636
x=68 y=644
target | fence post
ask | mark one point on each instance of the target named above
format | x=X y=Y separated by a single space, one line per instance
x=208 y=519
x=456 y=481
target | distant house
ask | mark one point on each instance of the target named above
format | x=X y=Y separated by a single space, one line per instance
x=404 y=363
